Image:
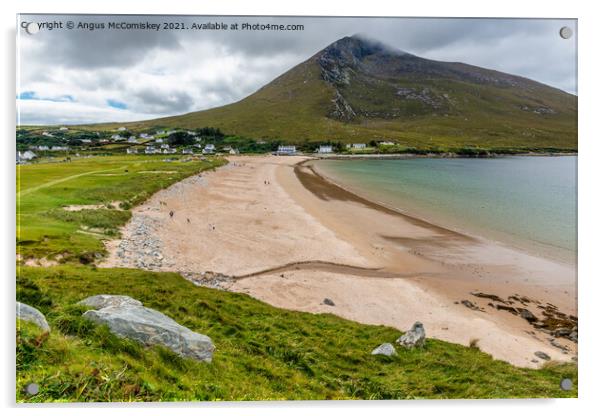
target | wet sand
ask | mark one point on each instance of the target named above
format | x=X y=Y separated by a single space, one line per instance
x=290 y=237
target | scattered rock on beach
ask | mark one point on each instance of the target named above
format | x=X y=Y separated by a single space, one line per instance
x=328 y=302
x=488 y=296
x=414 y=337
x=528 y=315
x=140 y=248
x=470 y=305
x=556 y=344
x=127 y=318
x=210 y=279
x=542 y=355
x=384 y=349
x=31 y=314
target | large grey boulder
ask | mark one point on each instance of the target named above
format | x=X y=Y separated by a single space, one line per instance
x=414 y=337
x=31 y=314
x=384 y=349
x=149 y=327
x=103 y=301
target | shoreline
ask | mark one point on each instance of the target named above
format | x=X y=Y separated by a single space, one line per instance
x=292 y=248
x=550 y=252
x=443 y=155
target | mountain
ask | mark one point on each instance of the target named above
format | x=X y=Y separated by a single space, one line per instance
x=359 y=90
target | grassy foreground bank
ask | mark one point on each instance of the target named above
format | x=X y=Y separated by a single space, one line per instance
x=262 y=352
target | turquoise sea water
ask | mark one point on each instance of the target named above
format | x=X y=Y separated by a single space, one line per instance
x=529 y=202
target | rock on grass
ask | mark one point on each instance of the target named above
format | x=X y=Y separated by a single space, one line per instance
x=31 y=314
x=384 y=349
x=414 y=337
x=127 y=318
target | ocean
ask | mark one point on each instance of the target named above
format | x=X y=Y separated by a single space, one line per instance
x=529 y=202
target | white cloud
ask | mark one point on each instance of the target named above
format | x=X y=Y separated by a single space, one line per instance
x=36 y=112
x=174 y=72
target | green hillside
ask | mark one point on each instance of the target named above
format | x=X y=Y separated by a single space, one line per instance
x=357 y=90
x=262 y=352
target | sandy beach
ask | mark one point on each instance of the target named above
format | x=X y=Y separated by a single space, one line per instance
x=278 y=230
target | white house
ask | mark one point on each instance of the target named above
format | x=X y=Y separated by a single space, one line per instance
x=58 y=148
x=160 y=132
x=131 y=151
x=158 y=140
x=26 y=155
x=42 y=147
x=169 y=151
x=233 y=151
x=132 y=139
x=45 y=133
x=286 y=150
x=116 y=137
x=86 y=141
x=63 y=129
x=121 y=129
x=165 y=146
x=191 y=133
x=386 y=143
x=187 y=151
x=149 y=150
x=325 y=149
x=209 y=148
x=358 y=146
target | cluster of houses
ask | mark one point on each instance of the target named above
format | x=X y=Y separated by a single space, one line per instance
x=43 y=148
x=164 y=148
x=326 y=149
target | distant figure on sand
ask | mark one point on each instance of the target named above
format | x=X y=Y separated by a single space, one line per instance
x=171 y=214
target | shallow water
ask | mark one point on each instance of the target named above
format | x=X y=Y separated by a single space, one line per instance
x=524 y=201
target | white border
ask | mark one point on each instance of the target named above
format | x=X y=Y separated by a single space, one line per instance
x=590 y=207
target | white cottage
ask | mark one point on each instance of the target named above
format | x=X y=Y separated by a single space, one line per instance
x=325 y=149
x=26 y=155
x=286 y=150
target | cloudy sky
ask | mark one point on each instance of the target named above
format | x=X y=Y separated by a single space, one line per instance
x=69 y=76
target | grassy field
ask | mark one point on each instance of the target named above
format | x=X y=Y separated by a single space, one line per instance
x=46 y=230
x=261 y=353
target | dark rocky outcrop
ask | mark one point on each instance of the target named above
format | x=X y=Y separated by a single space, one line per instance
x=328 y=301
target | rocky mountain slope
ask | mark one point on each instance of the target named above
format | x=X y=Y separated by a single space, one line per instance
x=360 y=90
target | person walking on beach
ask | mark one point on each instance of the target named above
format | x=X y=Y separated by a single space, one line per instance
x=171 y=214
